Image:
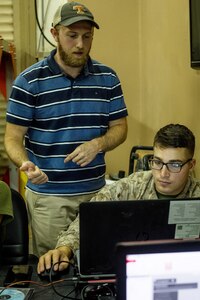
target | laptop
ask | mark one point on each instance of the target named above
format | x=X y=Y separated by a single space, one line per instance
x=105 y=223
x=158 y=270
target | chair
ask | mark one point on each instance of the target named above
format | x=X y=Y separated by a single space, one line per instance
x=15 y=246
x=140 y=155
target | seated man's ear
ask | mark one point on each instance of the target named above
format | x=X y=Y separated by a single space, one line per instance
x=192 y=164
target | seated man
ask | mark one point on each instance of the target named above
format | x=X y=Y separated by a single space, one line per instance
x=6 y=210
x=170 y=176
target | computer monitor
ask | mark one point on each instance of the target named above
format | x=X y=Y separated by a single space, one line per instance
x=155 y=270
x=105 y=223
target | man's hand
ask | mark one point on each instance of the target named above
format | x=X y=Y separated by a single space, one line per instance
x=34 y=174
x=84 y=153
x=54 y=257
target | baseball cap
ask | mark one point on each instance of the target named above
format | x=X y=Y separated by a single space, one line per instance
x=72 y=12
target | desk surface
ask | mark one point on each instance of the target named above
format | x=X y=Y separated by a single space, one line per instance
x=47 y=292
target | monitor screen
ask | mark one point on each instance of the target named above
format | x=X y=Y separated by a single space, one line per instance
x=168 y=270
x=195 y=33
x=172 y=275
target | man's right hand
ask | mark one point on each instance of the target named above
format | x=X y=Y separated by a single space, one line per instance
x=55 y=256
x=34 y=174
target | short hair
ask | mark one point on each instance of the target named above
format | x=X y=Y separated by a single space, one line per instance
x=175 y=136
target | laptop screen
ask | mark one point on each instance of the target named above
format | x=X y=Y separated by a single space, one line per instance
x=105 y=223
x=159 y=270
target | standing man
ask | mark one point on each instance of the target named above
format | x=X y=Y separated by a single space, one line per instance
x=64 y=113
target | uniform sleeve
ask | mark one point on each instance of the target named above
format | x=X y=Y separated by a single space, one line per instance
x=116 y=191
x=70 y=237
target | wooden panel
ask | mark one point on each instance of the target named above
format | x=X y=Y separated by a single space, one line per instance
x=6 y=20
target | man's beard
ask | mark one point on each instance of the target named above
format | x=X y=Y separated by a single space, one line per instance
x=71 y=61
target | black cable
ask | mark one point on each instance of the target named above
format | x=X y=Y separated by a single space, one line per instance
x=3 y=289
x=68 y=295
x=99 y=289
x=68 y=279
x=38 y=23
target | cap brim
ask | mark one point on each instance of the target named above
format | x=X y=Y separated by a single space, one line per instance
x=77 y=19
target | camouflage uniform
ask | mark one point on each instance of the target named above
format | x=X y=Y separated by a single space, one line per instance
x=139 y=185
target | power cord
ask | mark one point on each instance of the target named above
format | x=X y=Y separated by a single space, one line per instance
x=73 y=280
x=89 y=290
x=40 y=28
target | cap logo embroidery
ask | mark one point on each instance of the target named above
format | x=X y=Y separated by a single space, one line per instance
x=79 y=8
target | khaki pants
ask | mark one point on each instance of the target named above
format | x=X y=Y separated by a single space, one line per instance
x=48 y=215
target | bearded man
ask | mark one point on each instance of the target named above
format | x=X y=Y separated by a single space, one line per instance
x=63 y=114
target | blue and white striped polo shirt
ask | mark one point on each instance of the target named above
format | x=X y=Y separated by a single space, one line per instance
x=62 y=113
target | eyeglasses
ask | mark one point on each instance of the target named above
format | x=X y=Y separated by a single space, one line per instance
x=174 y=167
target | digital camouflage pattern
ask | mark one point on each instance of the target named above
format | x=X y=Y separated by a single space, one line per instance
x=139 y=185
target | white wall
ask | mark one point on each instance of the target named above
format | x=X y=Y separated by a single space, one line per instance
x=46 y=10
